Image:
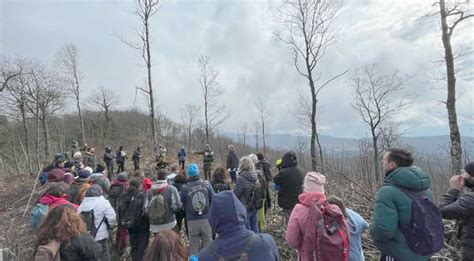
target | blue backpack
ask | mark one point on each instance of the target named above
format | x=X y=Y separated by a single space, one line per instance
x=425 y=232
x=38 y=212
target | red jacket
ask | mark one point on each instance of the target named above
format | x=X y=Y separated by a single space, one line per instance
x=53 y=201
x=147 y=183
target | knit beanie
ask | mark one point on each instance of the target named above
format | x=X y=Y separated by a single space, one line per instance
x=94 y=191
x=314 y=182
x=83 y=174
x=469 y=168
x=89 y=169
x=123 y=176
x=193 y=170
x=56 y=175
x=68 y=178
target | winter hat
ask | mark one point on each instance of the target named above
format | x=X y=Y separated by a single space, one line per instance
x=88 y=169
x=469 y=168
x=68 y=178
x=193 y=170
x=77 y=155
x=83 y=173
x=57 y=189
x=123 y=176
x=100 y=168
x=56 y=175
x=314 y=182
x=94 y=191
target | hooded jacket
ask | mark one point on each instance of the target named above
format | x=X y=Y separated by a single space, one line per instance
x=174 y=202
x=460 y=207
x=102 y=209
x=244 y=185
x=181 y=155
x=356 y=225
x=190 y=184
x=53 y=201
x=393 y=207
x=81 y=248
x=290 y=179
x=227 y=220
x=232 y=160
x=101 y=180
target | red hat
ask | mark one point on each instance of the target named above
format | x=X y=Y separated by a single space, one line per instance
x=56 y=175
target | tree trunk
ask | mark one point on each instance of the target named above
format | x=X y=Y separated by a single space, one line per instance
x=206 y=118
x=263 y=138
x=81 y=121
x=44 y=123
x=150 y=87
x=314 y=162
x=37 y=144
x=27 y=138
x=375 y=156
x=455 y=136
x=189 y=137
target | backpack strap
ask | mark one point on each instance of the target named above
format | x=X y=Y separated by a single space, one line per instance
x=246 y=249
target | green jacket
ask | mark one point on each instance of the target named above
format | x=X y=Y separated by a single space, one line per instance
x=393 y=207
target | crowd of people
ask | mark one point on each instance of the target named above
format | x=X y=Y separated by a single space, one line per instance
x=86 y=211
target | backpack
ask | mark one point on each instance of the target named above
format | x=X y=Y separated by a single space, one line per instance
x=329 y=235
x=115 y=192
x=130 y=210
x=159 y=207
x=38 y=212
x=197 y=201
x=243 y=256
x=48 y=252
x=77 y=192
x=89 y=218
x=218 y=187
x=257 y=195
x=425 y=231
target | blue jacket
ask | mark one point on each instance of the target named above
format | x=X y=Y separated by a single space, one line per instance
x=181 y=155
x=356 y=225
x=227 y=219
x=194 y=181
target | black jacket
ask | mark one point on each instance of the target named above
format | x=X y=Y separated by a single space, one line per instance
x=454 y=206
x=81 y=248
x=232 y=160
x=290 y=178
x=264 y=166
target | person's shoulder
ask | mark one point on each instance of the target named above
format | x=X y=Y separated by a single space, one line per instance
x=267 y=242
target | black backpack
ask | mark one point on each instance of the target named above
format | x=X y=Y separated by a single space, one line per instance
x=218 y=187
x=257 y=195
x=243 y=256
x=115 y=192
x=131 y=209
x=89 y=219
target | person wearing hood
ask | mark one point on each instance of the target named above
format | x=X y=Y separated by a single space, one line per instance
x=299 y=232
x=79 y=187
x=356 y=225
x=228 y=220
x=104 y=215
x=290 y=182
x=393 y=207
x=232 y=163
x=137 y=155
x=196 y=196
x=172 y=203
x=182 y=157
x=246 y=182
x=98 y=178
x=461 y=207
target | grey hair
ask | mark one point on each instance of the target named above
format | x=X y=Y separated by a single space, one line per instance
x=246 y=164
x=253 y=158
x=230 y=147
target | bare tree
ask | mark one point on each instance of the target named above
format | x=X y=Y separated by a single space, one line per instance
x=189 y=118
x=214 y=113
x=307 y=26
x=8 y=73
x=104 y=100
x=145 y=9
x=376 y=101
x=265 y=117
x=451 y=16
x=68 y=61
x=256 y=133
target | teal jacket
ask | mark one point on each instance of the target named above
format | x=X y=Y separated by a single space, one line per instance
x=393 y=207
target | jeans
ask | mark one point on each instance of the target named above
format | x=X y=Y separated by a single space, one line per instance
x=252 y=221
x=207 y=171
x=120 y=167
x=136 y=164
x=233 y=176
x=181 y=164
x=180 y=219
x=110 y=171
x=200 y=235
x=105 y=249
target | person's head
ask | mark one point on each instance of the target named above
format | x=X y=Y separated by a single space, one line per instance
x=253 y=158
x=246 y=164
x=121 y=147
x=278 y=163
x=166 y=246
x=207 y=147
x=68 y=178
x=61 y=223
x=91 y=150
x=289 y=159
x=226 y=213
x=59 y=164
x=108 y=149
x=139 y=173
x=181 y=177
x=230 y=147
x=57 y=189
x=338 y=202
x=134 y=184
x=260 y=156
x=77 y=156
x=395 y=158
x=123 y=176
x=182 y=147
x=314 y=182
x=94 y=191
x=56 y=175
x=468 y=174
x=193 y=170
x=100 y=168
x=174 y=168
x=83 y=174
x=220 y=175
x=162 y=174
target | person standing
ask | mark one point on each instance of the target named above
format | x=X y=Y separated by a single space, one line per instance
x=89 y=158
x=460 y=206
x=232 y=163
x=207 y=159
x=120 y=158
x=109 y=161
x=182 y=157
x=137 y=154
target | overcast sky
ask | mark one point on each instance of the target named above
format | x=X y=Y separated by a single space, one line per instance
x=238 y=38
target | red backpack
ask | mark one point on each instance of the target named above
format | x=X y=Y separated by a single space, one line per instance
x=329 y=234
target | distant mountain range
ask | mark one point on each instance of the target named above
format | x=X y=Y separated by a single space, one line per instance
x=424 y=144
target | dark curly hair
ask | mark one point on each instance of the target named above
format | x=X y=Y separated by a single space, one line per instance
x=167 y=246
